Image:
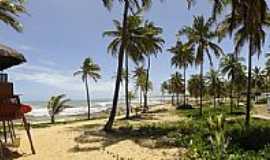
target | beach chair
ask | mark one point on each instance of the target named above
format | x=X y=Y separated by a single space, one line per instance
x=11 y=109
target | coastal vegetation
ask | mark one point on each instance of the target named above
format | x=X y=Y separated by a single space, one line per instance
x=56 y=105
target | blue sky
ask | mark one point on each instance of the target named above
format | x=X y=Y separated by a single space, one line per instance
x=59 y=34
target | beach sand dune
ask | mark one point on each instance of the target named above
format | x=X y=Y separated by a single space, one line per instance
x=85 y=141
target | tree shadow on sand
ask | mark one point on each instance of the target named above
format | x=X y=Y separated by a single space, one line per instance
x=10 y=155
x=148 y=136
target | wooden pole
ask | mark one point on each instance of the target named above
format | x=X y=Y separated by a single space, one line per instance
x=27 y=128
x=5 y=132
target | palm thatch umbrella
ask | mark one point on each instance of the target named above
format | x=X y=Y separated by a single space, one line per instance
x=9 y=57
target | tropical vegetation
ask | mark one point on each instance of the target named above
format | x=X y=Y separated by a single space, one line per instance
x=56 y=105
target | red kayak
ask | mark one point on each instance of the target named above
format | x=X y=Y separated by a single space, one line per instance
x=25 y=108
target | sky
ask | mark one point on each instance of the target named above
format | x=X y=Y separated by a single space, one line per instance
x=59 y=34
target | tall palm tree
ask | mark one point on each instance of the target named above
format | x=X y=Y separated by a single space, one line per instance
x=91 y=70
x=140 y=76
x=201 y=36
x=229 y=65
x=183 y=56
x=56 y=104
x=176 y=82
x=248 y=22
x=10 y=10
x=258 y=80
x=214 y=83
x=129 y=5
x=142 y=82
x=163 y=89
x=132 y=48
x=267 y=71
x=241 y=78
x=193 y=84
x=152 y=45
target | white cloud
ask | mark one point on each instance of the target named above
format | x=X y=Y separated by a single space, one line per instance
x=61 y=81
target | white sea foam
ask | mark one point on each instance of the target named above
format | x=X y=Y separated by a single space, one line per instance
x=80 y=107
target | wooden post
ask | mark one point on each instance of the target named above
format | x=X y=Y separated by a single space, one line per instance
x=10 y=131
x=5 y=132
x=13 y=130
x=1 y=150
x=27 y=128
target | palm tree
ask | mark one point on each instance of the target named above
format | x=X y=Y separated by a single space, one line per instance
x=247 y=22
x=201 y=36
x=91 y=70
x=9 y=11
x=214 y=83
x=139 y=75
x=267 y=71
x=258 y=80
x=176 y=83
x=132 y=49
x=152 y=45
x=229 y=65
x=128 y=5
x=133 y=6
x=193 y=84
x=163 y=89
x=183 y=56
x=55 y=105
x=131 y=96
x=241 y=78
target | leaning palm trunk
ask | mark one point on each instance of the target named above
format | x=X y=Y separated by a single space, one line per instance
x=109 y=124
x=172 y=101
x=52 y=119
x=88 y=98
x=249 y=84
x=201 y=89
x=145 y=107
x=126 y=88
x=231 y=96
x=177 y=99
x=141 y=97
x=185 y=86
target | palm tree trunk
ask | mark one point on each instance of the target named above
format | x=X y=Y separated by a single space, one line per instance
x=214 y=101
x=88 y=98
x=249 y=84
x=146 y=85
x=201 y=89
x=231 y=96
x=52 y=119
x=126 y=88
x=184 y=86
x=109 y=124
x=172 y=99
x=177 y=99
x=141 y=98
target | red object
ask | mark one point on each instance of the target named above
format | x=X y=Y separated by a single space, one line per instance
x=25 y=108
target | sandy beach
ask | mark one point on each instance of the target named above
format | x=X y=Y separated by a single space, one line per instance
x=84 y=140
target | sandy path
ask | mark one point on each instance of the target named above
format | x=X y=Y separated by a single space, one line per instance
x=85 y=141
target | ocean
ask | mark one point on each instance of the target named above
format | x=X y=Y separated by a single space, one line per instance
x=79 y=107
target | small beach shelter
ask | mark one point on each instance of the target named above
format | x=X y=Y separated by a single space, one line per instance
x=9 y=57
x=10 y=107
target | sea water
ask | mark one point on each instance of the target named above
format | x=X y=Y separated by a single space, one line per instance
x=79 y=107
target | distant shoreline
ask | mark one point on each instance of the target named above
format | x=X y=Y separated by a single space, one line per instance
x=75 y=117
